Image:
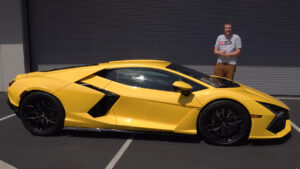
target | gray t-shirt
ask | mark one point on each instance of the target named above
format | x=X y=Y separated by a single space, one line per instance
x=229 y=45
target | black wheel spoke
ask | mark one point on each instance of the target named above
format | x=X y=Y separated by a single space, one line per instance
x=51 y=121
x=29 y=106
x=218 y=115
x=234 y=123
x=222 y=113
x=32 y=118
x=230 y=114
x=215 y=129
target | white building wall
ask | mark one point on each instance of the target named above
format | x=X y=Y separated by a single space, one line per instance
x=11 y=41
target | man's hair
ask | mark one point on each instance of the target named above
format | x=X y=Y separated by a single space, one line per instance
x=228 y=23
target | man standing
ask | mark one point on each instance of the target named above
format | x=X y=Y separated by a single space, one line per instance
x=228 y=46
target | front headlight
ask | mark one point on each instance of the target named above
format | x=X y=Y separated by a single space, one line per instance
x=273 y=108
x=281 y=115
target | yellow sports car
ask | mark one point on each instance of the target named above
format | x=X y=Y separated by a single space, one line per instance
x=146 y=95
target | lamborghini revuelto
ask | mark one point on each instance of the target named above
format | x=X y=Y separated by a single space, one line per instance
x=146 y=95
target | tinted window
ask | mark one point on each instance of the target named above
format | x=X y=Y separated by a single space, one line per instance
x=214 y=81
x=187 y=71
x=110 y=74
x=147 y=78
x=195 y=85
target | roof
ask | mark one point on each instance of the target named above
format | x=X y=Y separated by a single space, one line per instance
x=159 y=63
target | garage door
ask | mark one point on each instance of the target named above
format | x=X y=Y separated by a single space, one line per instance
x=68 y=32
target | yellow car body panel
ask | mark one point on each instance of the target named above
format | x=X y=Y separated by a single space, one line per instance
x=42 y=83
x=259 y=125
x=77 y=101
x=141 y=108
x=148 y=109
x=48 y=82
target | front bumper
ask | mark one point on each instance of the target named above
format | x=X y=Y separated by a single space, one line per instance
x=266 y=134
x=279 y=122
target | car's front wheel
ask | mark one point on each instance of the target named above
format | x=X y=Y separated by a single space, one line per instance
x=42 y=114
x=224 y=122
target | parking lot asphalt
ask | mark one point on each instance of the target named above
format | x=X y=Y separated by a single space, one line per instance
x=88 y=149
x=294 y=105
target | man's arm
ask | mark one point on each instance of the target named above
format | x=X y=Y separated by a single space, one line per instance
x=236 y=53
x=219 y=53
x=216 y=50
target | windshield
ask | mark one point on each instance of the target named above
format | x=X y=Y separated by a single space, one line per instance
x=213 y=81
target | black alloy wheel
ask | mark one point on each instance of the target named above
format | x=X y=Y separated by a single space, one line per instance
x=224 y=122
x=42 y=114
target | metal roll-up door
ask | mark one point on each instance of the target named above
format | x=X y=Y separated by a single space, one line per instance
x=71 y=32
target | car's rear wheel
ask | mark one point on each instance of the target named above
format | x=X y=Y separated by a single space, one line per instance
x=42 y=114
x=224 y=122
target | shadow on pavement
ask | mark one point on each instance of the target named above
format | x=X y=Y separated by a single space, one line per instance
x=165 y=137
x=137 y=136
x=267 y=142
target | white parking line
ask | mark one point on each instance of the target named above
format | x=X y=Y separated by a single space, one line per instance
x=295 y=126
x=289 y=98
x=7 y=117
x=4 y=165
x=116 y=158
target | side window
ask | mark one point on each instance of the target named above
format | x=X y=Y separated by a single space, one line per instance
x=146 y=78
x=110 y=74
x=195 y=85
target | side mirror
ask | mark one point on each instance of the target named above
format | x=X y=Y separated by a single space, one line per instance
x=184 y=88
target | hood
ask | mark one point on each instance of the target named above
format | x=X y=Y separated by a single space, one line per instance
x=262 y=97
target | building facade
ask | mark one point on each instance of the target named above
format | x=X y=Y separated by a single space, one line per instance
x=57 y=33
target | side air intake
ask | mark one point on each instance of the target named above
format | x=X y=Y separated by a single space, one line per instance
x=105 y=104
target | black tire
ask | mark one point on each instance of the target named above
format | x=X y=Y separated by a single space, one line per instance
x=224 y=122
x=42 y=114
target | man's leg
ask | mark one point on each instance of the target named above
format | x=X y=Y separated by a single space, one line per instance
x=219 y=70
x=230 y=71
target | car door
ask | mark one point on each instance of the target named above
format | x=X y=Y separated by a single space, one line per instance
x=148 y=100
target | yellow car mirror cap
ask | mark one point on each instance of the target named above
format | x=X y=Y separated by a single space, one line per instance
x=184 y=87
